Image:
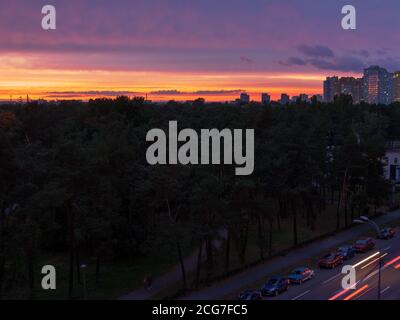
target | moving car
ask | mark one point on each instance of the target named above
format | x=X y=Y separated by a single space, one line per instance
x=300 y=275
x=275 y=286
x=387 y=233
x=364 y=245
x=250 y=295
x=347 y=252
x=331 y=260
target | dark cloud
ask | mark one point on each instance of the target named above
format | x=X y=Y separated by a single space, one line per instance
x=293 y=61
x=218 y=92
x=346 y=63
x=200 y=92
x=64 y=94
x=363 y=53
x=343 y=63
x=381 y=52
x=246 y=59
x=390 y=63
x=166 y=92
x=316 y=51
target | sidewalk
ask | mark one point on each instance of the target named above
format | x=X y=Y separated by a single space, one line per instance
x=164 y=281
x=170 y=278
x=248 y=277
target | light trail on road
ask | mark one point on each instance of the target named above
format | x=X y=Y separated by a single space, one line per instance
x=356 y=292
x=392 y=261
x=366 y=259
x=373 y=261
x=343 y=291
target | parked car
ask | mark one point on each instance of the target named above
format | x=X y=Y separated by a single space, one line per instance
x=347 y=252
x=275 y=286
x=331 y=260
x=387 y=233
x=301 y=275
x=250 y=295
x=364 y=245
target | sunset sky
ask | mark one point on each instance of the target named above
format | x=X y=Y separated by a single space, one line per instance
x=182 y=49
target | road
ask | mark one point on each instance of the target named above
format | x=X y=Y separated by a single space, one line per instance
x=326 y=282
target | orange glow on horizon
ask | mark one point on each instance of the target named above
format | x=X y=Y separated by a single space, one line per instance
x=23 y=75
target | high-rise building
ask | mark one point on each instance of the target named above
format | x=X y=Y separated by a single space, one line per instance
x=244 y=98
x=285 y=99
x=334 y=86
x=317 y=98
x=265 y=98
x=377 y=85
x=304 y=97
x=331 y=88
x=396 y=86
x=351 y=86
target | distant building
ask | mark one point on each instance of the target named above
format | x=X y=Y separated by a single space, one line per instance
x=285 y=99
x=351 y=86
x=244 y=98
x=377 y=85
x=318 y=97
x=294 y=99
x=331 y=88
x=391 y=167
x=396 y=86
x=334 y=86
x=304 y=97
x=265 y=98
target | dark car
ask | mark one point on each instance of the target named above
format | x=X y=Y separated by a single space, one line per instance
x=331 y=260
x=250 y=295
x=387 y=233
x=300 y=275
x=347 y=252
x=275 y=286
x=364 y=245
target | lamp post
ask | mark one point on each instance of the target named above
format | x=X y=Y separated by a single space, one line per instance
x=366 y=220
x=83 y=268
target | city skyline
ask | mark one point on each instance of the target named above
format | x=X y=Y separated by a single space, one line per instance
x=189 y=50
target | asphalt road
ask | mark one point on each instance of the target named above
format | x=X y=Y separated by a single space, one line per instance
x=327 y=283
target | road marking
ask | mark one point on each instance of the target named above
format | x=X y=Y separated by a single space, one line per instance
x=301 y=295
x=387 y=248
x=371 y=275
x=332 y=278
x=364 y=293
x=386 y=289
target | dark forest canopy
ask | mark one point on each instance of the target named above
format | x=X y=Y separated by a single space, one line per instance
x=74 y=179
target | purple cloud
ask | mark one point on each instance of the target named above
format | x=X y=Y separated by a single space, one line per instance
x=316 y=51
x=293 y=61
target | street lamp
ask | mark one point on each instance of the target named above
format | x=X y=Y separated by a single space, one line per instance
x=83 y=268
x=366 y=220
